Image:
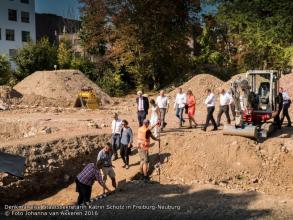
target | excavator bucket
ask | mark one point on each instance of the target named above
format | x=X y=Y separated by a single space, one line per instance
x=248 y=131
x=86 y=99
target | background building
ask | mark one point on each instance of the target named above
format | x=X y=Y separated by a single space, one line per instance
x=51 y=26
x=17 y=25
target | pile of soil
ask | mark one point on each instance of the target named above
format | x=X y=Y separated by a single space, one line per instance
x=226 y=85
x=199 y=84
x=56 y=88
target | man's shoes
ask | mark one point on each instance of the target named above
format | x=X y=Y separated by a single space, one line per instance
x=204 y=129
x=124 y=166
x=215 y=129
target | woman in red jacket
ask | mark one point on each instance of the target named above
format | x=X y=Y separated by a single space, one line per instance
x=191 y=108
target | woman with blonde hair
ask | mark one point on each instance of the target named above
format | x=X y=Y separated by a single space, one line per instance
x=191 y=108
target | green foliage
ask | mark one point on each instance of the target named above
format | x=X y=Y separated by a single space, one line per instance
x=260 y=30
x=143 y=42
x=85 y=66
x=5 y=70
x=64 y=54
x=33 y=57
x=111 y=83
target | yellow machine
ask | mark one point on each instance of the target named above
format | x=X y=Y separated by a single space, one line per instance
x=86 y=98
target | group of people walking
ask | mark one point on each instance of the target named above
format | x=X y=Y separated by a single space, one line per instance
x=122 y=135
x=184 y=103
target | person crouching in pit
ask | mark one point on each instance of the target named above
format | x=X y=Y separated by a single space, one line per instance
x=144 y=136
x=85 y=180
x=107 y=168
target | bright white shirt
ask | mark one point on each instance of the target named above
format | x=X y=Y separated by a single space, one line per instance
x=116 y=126
x=231 y=98
x=210 y=100
x=285 y=95
x=180 y=100
x=224 y=99
x=162 y=101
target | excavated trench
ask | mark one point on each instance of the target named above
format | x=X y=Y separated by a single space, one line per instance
x=49 y=166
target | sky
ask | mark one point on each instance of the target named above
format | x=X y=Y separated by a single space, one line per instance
x=65 y=8
x=70 y=8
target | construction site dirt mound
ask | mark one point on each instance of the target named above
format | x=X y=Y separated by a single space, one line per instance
x=226 y=85
x=56 y=88
x=199 y=84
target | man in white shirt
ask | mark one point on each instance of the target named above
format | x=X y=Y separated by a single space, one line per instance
x=116 y=133
x=224 y=107
x=179 y=106
x=163 y=104
x=286 y=106
x=210 y=103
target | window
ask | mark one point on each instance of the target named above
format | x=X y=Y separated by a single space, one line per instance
x=25 y=17
x=25 y=36
x=24 y=1
x=12 y=15
x=10 y=34
x=12 y=53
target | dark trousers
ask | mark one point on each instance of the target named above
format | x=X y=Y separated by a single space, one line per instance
x=232 y=106
x=286 y=114
x=115 y=143
x=277 y=120
x=124 y=152
x=141 y=115
x=179 y=115
x=223 y=109
x=84 y=192
x=210 y=117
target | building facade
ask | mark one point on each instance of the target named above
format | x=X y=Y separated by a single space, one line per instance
x=17 y=25
x=51 y=26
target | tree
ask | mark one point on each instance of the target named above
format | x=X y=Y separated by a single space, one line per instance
x=5 y=70
x=35 y=56
x=64 y=54
x=146 y=41
x=260 y=30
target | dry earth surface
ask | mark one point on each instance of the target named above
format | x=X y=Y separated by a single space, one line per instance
x=204 y=175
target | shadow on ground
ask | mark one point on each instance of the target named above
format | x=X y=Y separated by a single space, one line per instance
x=157 y=201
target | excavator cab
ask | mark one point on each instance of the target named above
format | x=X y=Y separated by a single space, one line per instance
x=265 y=85
x=257 y=95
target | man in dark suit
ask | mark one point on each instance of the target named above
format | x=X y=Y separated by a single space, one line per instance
x=142 y=107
